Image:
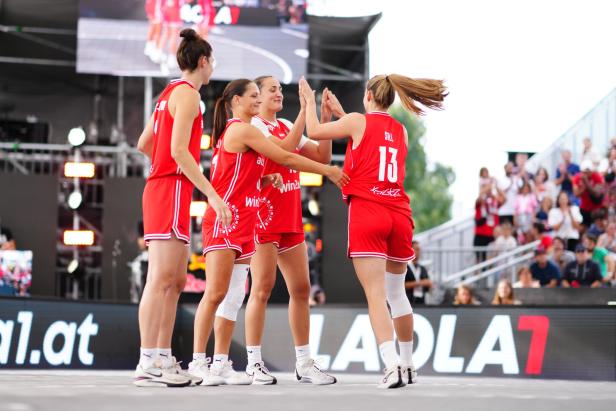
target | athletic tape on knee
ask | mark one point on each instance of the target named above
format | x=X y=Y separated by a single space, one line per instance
x=230 y=306
x=399 y=303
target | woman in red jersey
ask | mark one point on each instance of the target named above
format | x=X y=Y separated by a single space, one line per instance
x=280 y=239
x=237 y=167
x=380 y=247
x=171 y=140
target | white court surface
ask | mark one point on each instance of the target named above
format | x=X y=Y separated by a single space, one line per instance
x=26 y=390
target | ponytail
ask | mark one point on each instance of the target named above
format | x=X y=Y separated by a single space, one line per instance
x=222 y=109
x=429 y=93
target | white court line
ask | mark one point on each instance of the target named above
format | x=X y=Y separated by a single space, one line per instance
x=287 y=75
x=299 y=34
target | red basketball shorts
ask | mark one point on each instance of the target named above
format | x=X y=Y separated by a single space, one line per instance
x=244 y=247
x=379 y=231
x=171 y=15
x=166 y=209
x=282 y=241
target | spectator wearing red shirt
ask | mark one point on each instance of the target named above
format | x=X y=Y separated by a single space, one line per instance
x=588 y=186
x=486 y=218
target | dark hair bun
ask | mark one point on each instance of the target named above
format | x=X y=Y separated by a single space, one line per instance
x=189 y=34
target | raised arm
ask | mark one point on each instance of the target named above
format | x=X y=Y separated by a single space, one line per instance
x=254 y=139
x=351 y=125
x=320 y=151
x=186 y=107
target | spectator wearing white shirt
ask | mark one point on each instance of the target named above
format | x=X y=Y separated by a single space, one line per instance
x=589 y=153
x=508 y=188
x=525 y=279
x=565 y=220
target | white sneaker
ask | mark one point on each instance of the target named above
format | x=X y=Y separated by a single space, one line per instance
x=409 y=375
x=176 y=368
x=229 y=375
x=156 y=55
x=260 y=374
x=201 y=369
x=149 y=47
x=393 y=378
x=156 y=377
x=310 y=373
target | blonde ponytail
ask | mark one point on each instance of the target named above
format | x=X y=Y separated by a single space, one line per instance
x=429 y=93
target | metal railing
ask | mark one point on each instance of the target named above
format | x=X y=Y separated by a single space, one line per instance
x=117 y=161
x=504 y=264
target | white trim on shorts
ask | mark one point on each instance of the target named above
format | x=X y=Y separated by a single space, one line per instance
x=380 y=255
x=285 y=249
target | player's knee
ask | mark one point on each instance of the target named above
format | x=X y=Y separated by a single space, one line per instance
x=231 y=304
x=399 y=303
x=180 y=283
x=215 y=297
x=300 y=291
x=262 y=291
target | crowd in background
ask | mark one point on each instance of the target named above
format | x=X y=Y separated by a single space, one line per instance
x=571 y=211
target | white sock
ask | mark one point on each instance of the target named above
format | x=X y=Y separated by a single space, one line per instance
x=219 y=360
x=406 y=353
x=147 y=357
x=254 y=354
x=199 y=356
x=164 y=356
x=302 y=353
x=389 y=354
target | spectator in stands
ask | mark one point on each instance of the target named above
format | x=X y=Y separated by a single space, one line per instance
x=582 y=272
x=589 y=153
x=560 y=255
x=484 y=178
x=588 y=186
x=599 y=222
x=611 y=203
x=486 y=218
x=544 y=270
x=601 y=256
x=7 y=241
x=504 y=294
x=544 y=187
x=417 y=282
x=525 y=207
x=565 y=172
x=520 y=167
x=607 y=166
x=565 y=220
x=607 y=240
x=505 y=240
x=525 y=279
x=544 y=211
x=508 y=188
x=538 y=232
x=464 y=296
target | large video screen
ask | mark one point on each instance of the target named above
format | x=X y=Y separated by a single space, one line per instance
x=139 y=37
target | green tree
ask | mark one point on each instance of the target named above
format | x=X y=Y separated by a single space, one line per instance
x=427 y=187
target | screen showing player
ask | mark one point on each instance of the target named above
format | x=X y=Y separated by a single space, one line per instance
x=15 y=272
x=140 y=37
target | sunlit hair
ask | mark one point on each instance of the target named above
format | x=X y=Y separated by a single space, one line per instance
x=429 y=93
x=508 y=300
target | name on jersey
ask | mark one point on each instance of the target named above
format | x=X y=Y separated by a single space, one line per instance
x=160 y=106
x=388 y=192
x=389 y=136
x=290 y=186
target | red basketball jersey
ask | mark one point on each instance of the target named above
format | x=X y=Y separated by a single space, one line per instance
x=163 y=165
x=377 y=166
x=236 y=178
x=281 y=209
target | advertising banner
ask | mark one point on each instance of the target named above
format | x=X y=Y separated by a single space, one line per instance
x=554 y=343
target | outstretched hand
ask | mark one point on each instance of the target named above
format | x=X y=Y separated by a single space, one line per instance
x=306 y=91
x=326 y=113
